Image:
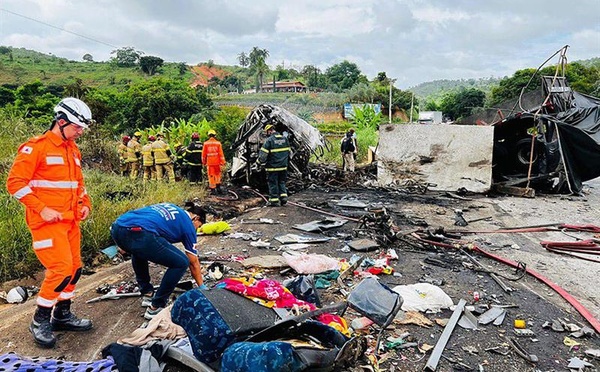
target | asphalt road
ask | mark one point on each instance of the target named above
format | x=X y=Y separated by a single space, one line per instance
x=579 y=277
x=118 y=318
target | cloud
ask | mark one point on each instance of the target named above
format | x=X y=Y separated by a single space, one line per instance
x=412 y=40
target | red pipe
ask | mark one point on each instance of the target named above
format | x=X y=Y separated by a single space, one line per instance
x=566 y=295
x=580 y=244
x=549 y=227
x=576 y=250
x=569 y=253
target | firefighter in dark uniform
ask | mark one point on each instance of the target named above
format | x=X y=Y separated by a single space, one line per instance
x=192 y=159
x=274 y=156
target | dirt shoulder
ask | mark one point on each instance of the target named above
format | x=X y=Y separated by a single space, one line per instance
x=535 y=302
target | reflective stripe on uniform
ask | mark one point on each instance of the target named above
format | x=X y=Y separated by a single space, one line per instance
x=275 y=169
x=66 y=295
x=44 y=302
x=42 y=244
x=54 y=184
x=281 y=149
x=23 y=192
x=55 y=160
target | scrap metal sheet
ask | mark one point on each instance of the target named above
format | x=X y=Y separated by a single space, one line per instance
x=447 y=156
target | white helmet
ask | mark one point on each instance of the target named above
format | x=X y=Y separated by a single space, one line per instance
x=76 y=110
x=17 y=295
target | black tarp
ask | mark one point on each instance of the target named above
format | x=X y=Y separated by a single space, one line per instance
x=579 y=138
x=566 y=131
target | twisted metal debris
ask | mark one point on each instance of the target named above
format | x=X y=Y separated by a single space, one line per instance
x=305 y=141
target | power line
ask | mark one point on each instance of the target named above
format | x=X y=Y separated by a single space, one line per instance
x=58 y=28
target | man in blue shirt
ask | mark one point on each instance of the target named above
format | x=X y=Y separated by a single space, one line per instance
x=148 y=233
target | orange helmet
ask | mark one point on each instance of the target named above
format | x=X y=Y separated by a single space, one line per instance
x=151 y=138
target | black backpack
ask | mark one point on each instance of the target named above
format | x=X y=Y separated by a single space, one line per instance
x=348 y=144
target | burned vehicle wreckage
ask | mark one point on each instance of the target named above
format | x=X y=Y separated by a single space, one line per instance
x=305 y=141
x=552 y=147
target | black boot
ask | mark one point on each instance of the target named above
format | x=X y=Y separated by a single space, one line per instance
x=64 y=320
x=41 y=329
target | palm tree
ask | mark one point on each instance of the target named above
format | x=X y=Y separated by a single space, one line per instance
x=243 y=59
x=257 y=63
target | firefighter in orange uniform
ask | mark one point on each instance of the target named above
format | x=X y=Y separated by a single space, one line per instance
x=46 y=178
x=213 y=159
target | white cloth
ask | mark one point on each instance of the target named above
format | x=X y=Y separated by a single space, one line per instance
x=423 y=297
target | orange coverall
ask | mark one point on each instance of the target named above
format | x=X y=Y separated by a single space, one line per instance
x=47 y=173
x=213 y=158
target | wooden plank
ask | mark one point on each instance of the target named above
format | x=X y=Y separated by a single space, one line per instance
x=515 y=191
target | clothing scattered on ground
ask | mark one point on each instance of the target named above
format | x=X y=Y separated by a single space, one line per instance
x=15 y=362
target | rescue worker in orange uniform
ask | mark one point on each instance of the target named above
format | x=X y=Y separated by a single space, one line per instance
x=46 y=178
x=213 y=158
x=148 y=160
x=122 y=153
x=162 y=158
x=134 y=154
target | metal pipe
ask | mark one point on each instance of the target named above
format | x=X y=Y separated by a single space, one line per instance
x=323 y=212
x=434 y=358
x=564 y=294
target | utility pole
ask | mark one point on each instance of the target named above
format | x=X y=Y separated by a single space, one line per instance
x=392 y=81
x=412 y=100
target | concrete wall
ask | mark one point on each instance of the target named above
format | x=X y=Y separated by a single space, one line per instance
x=450 y=156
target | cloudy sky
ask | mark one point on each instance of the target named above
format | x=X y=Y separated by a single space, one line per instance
x=413 y=41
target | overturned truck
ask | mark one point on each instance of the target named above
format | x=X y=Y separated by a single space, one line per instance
x=305 y=141
x=552 y=147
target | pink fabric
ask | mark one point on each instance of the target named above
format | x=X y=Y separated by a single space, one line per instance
x=271 y=293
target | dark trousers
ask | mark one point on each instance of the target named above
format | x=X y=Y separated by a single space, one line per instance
x=145 y=246
x=195 y=173
x=277 y=189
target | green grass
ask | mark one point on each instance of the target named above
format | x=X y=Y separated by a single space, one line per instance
x=28 y=66
x=334 y=132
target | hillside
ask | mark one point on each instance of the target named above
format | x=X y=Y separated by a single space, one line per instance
x=592 y=62
x=21 y=66
x=437 y=88
x=203 y=73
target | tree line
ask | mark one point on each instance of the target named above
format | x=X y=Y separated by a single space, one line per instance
x=152 y=101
